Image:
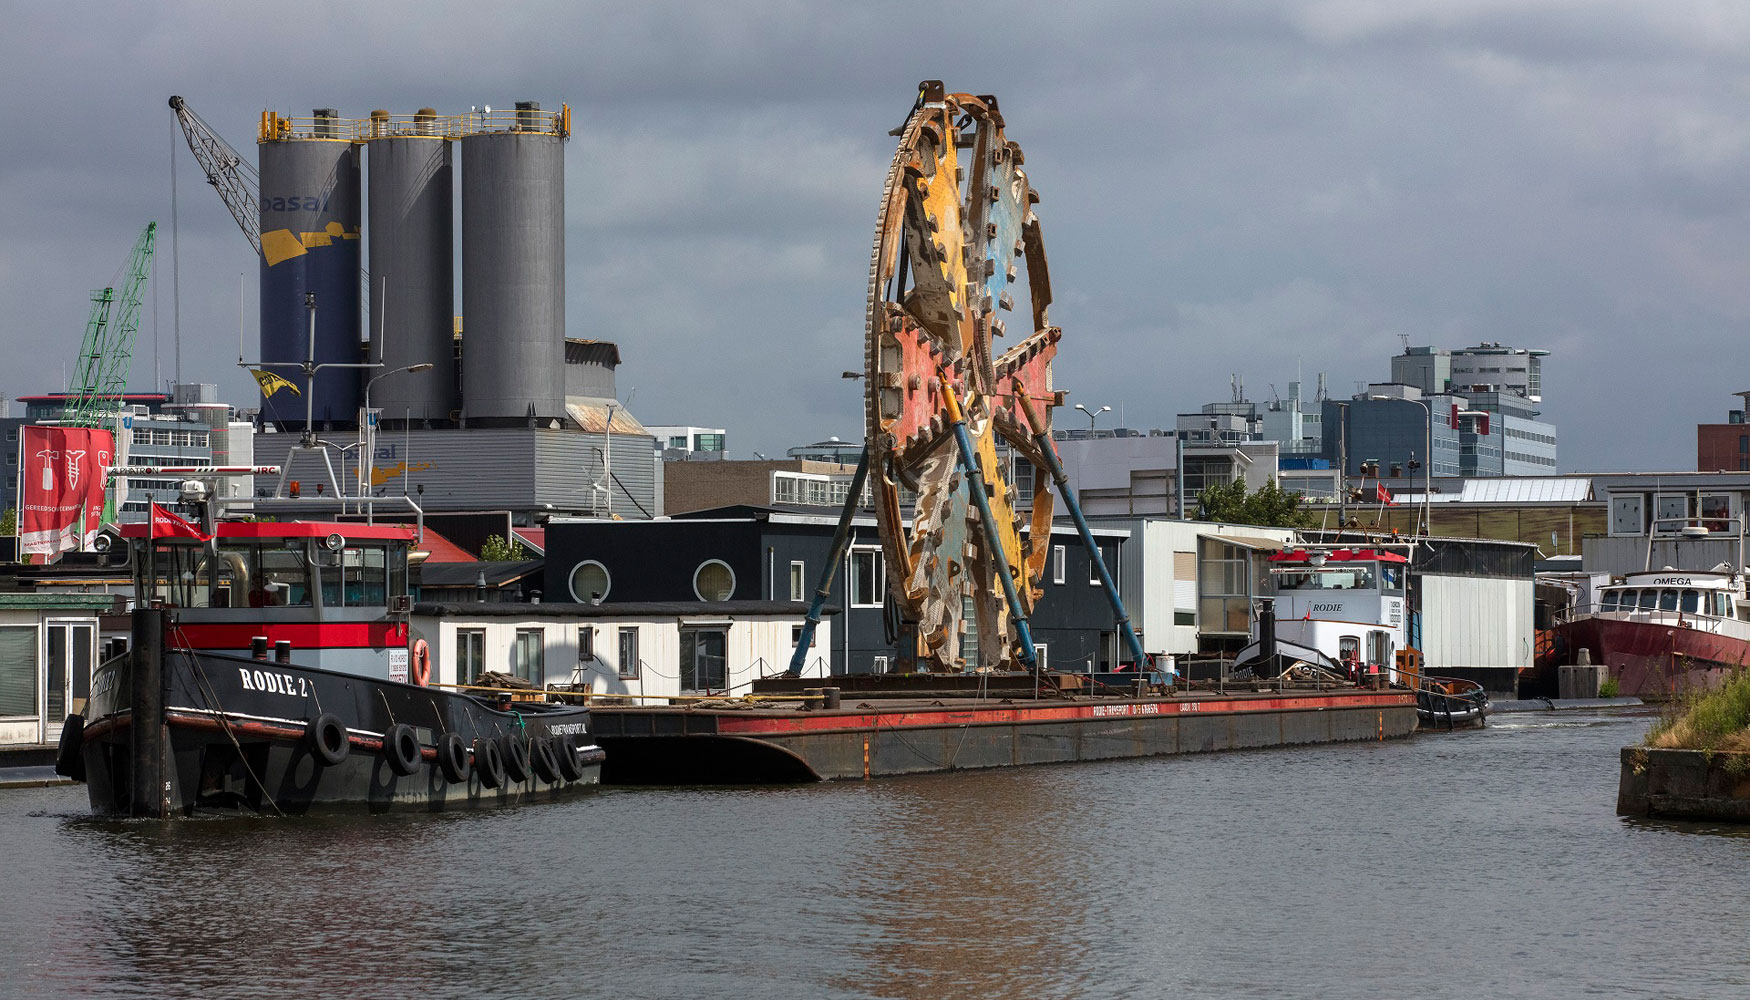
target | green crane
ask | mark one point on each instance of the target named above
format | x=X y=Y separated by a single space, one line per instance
x=100 y=377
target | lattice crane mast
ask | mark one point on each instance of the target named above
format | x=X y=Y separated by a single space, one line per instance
x=237 y=183
x=100 y=377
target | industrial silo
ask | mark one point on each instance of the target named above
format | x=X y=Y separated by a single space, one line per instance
x=310 y=243
x=513 y=267
x=412 y=267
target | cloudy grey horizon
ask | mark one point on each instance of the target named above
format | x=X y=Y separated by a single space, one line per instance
x=1227 y=189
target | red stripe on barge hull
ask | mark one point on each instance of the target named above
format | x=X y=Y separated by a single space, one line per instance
x=742 y=746
x=780 y=723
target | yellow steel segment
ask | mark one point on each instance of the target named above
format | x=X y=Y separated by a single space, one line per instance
x=280 y=245
x=1002 y=512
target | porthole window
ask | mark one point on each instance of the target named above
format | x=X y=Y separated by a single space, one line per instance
x=714 y=580
x=590 y=582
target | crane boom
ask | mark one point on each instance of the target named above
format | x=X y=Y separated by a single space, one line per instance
x=237 y=183
x=101 y=376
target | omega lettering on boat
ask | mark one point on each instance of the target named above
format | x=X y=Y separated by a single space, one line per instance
x=1672 y=581
x=272 y=683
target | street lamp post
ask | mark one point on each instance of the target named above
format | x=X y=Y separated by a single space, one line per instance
x=1427 y=459
x=1093 y=415
x=368 y=465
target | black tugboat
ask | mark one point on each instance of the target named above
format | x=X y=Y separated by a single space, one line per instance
x=272 y=670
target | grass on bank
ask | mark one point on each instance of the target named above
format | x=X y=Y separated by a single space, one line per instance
x=1715 y=720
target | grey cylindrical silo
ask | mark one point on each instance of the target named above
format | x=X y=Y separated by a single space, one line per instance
x=310 y=243
x=513 y=273
x=412 y=241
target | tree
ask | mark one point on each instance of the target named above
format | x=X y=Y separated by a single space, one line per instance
x=9 y=521
x=1271 y=506
x=496 y=549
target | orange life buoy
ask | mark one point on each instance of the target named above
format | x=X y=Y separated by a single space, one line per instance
x=421 y=663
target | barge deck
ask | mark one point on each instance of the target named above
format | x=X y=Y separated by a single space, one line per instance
x=764 y=742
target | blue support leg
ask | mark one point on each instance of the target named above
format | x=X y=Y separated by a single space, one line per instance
x=841 y=538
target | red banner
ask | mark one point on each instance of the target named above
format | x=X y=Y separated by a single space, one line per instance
x=169 y=525
x=1384 y=495
x=61 y=484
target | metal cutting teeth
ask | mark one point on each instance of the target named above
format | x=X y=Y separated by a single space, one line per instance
x=955 y=227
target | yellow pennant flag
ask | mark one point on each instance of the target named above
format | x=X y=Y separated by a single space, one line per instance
x=271 y=383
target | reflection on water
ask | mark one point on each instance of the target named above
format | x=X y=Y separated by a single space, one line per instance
x=1471 y=864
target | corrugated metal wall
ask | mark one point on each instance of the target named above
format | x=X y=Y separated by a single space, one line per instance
x=485 y=468
x=1476 y=622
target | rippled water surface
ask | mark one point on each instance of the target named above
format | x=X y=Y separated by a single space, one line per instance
x=1484 y=864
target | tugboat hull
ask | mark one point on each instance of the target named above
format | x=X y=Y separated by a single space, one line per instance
x=230 y=733
x=1656 y=660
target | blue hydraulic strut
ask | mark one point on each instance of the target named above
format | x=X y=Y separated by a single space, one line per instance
x=975 y=483
x=840 y=539
x=1042 y=438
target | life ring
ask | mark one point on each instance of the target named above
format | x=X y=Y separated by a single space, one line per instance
x=421 y=663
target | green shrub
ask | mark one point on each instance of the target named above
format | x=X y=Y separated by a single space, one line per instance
x=1712 y=720
x=1609 y=688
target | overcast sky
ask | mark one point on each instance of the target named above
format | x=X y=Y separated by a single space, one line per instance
x=1227 y=187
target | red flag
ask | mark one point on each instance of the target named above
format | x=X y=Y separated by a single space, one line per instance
x=61 y=487
x=168 y=525
x=1384 y=495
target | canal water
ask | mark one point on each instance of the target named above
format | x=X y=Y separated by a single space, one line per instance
x=1481 y=864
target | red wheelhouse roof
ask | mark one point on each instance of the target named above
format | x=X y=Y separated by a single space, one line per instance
x=1339 y=556
x=296 y=529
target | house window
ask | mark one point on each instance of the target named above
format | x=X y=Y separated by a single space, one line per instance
x=629 y=652
x=1057 y=563
x=796 y=585
x=590 y=582
x=1044 y=662
x=526 y=655
x=1094 y=565
x=868 y=579
x=18 y=671
x=714 y=581
x=796 y=637
x=878 y=665
x=585 y=643
x=470 y=654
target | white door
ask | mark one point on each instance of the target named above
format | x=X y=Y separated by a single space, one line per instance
x=68 y=650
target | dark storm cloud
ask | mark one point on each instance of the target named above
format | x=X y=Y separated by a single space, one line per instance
x=1227 y=187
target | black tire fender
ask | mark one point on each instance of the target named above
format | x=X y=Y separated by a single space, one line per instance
x=70 y=755
x=516 y=757
x=327 y=739
x=544 y=760
x=488 y=762
x=452 y=755
x=401 y=747
x=569 y=765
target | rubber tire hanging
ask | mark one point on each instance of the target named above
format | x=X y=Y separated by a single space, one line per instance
x=569 y=765
x=401 y=747
x=488 y=762
x=544 y=760
x=452 y=755
x=516 y=757
x=327 y=739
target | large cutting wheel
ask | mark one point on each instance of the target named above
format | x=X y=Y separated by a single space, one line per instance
x=958 y=263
